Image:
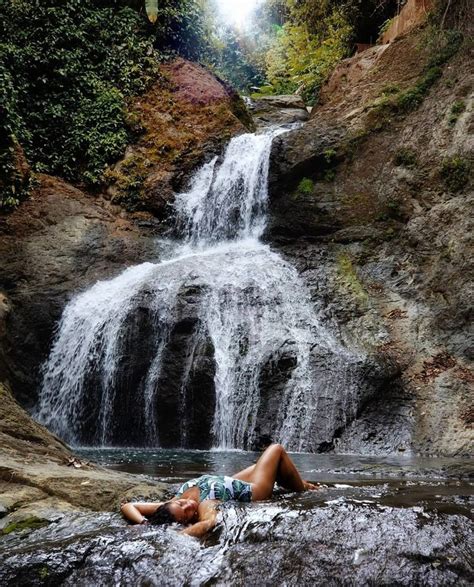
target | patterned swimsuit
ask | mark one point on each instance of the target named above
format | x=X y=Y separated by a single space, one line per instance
x=219 y=487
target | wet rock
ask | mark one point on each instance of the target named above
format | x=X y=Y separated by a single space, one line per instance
x=186 y=393
x=38 y=487
x=287 y=541
x=55 y=244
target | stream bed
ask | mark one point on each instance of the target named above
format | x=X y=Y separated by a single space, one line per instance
x=377 y=520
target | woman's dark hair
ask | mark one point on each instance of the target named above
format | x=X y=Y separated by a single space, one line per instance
x=162 y=515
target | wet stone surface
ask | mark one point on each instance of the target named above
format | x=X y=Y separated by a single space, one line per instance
x=364 y=533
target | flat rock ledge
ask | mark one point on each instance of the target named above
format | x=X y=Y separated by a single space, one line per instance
x=41 y=480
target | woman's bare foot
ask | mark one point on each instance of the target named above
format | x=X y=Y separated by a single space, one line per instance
x=311 y=486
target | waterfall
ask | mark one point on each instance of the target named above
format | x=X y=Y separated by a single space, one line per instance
x=212 y=346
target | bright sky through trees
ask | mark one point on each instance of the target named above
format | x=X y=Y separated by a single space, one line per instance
x=237 y=11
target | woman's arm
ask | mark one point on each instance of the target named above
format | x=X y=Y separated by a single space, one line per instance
x=136 y=512
x=207 y=520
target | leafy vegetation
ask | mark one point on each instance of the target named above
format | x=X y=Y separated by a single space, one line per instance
x=455 y=172
x=305 y=187
x=405 y=157
x=70 y=67
x=304 y=50
x=456 y=110
x=67 y=71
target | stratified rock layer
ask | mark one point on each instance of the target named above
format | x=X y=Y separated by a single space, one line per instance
x=41 y=480
x=365 y=203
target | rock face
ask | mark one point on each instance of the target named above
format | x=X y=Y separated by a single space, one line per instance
x=182 y=121
x=365 y=203
x=55 y=244
x=41 y=480
x=368 y=202
x=413 y=13
x=325 y=539
x=269 y=110
x=62 y=239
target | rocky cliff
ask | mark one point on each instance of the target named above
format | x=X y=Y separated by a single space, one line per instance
x=372 y=200
x=64 y=239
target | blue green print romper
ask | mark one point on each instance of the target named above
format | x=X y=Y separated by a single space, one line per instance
x=219 y=487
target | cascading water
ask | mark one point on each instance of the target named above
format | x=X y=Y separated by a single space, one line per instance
x=213 y=346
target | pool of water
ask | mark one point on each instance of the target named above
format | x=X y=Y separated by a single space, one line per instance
x=433 y=484
x=172 y=465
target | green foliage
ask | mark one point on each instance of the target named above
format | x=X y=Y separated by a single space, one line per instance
x=305 y=187
x=405 y=157
x=233 y=59
x=330 y=156
x=13 y=185
x=184 y=27
x=69 y=84
x=455 y=172
x=456 y=110
x=301 y=59
x=444 y=45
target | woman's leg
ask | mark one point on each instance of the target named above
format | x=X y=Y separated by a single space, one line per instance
x=274 y=465
x=245 y=474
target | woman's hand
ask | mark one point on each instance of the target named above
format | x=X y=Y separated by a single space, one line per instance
x=136 y=512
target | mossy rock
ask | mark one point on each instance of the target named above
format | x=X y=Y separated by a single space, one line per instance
x=455 y=172
x=31 y=523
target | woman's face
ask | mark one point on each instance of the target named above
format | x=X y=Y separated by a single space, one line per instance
x=183 y=510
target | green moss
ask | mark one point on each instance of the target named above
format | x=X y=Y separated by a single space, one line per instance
x=239 y=110
x=32 y=523
x=456 y=110
x=43 y=572
x=349 y=276
x=128 y=181
x=455 y=172
x=405 y=157
x=390 y=89
x=393 y=100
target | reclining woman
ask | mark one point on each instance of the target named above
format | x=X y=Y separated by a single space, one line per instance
x=196 y=501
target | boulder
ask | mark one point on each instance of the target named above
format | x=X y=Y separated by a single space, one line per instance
x=268 y=110
x=183 y=120
x=41 y=479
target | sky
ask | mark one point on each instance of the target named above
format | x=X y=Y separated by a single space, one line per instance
x=236 y=11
